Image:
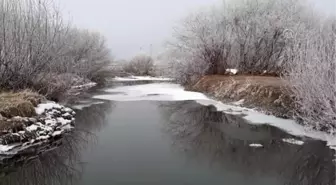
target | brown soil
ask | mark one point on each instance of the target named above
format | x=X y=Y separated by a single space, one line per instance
x=268 y=93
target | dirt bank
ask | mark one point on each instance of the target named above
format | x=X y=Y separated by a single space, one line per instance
x=266 y=93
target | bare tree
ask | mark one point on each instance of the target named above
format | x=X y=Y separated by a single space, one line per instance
x=36 y=43
x=250 y=36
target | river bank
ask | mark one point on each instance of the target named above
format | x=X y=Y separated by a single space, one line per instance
x=28 y=120
x=149 y=127
x=267 y=94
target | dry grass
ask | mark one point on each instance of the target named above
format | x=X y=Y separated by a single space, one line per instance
x=19 y=104
x=266 y=92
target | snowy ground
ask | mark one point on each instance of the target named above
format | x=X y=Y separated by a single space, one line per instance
x=154 y=91
x=140 y=78
x=174 y=92
x=52 y=121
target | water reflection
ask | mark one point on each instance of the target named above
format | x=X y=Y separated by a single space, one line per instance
x=60 y=162
x=223 y=141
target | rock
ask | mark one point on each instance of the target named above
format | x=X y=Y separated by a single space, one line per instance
x=56 y=113
x=67 y=116
x=58 y=124
x=42 y=121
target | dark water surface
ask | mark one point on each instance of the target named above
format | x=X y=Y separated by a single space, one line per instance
x=172 y=143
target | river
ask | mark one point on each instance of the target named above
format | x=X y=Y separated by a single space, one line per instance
x=159 y=138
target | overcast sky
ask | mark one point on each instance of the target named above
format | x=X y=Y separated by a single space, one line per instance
x=133 y=25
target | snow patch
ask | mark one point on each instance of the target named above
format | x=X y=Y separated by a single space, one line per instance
x=32 y=128
x=6 y=148
x=66 y=114
x=240 y=102
x=42 y=137
x=63 y=121
x=57 y=133
x=140 y=78
x=293 y=141
x=154 y=91
x=41 y=108
x=232 y=71
x=256 y=145
x=87 y=85
x=67 y=109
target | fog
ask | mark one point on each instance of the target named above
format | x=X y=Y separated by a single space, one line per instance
x=134 y=26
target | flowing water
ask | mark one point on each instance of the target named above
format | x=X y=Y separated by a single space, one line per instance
x=161 y=140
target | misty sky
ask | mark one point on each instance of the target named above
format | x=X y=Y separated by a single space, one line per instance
x=132 y=25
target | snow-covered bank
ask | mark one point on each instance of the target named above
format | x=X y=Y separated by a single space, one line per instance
x=154 y=91
x=140 y=78
x=52 y=120
x=174 y=92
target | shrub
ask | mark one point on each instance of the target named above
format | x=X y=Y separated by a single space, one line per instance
x=142 y=65
x=312 y=76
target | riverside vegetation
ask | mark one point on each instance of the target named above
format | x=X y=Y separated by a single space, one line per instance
x=42 y=57
x=276 y=55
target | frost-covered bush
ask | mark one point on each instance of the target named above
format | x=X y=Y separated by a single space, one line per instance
x=35 y=40
x=312 y=76
x=142 y=65
x=251 y=36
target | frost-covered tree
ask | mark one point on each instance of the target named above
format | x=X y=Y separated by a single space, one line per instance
x=37 y=44
x=252 y=36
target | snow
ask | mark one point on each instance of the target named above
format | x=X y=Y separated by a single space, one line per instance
x=66 y=114
x=6 y=148
x=240 y=102
x=256 y=145
x=141 y=78
x=63 y=121
x=87 y=85
x=293 y=141
x=45 y=106
x=154 y=91
x=67 y=109
x=57 y=133
x=232 y=71
x=42 y=137
x=32 y=128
